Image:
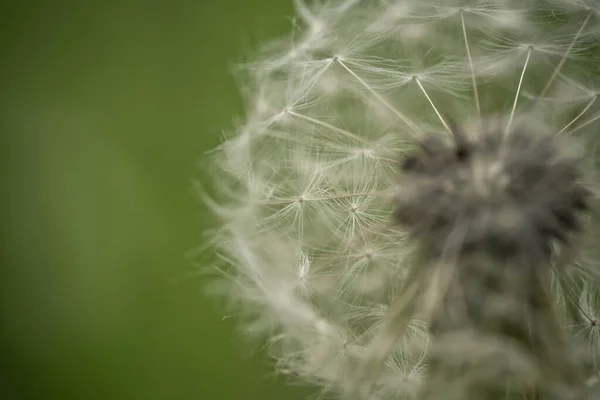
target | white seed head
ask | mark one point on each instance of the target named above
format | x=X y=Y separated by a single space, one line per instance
x=306 y=184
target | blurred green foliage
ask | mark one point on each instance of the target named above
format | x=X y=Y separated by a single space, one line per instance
x=106 y=108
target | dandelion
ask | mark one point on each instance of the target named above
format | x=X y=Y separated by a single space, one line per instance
x=407 y=209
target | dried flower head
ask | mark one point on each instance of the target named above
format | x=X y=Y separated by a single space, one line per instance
x=407 y=208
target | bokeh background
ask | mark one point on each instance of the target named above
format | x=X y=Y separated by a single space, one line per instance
x=106 y=107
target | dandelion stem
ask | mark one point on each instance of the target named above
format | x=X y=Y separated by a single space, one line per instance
x=323 y=124
x=597 y=117
x=474 y=80
x=514 y=107
x=565 y=56
x=378 y=97
x=432 y=105
x=327 y=198
x=591 y=102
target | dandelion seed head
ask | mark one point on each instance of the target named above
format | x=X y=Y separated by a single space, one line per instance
x=310 y=184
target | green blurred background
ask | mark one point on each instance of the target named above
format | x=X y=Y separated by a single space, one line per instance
x=106 y=108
